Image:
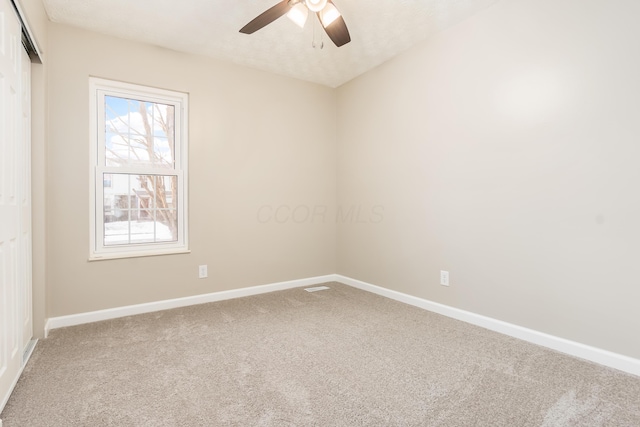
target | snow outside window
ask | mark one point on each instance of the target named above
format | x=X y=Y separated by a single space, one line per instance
x=138 y=170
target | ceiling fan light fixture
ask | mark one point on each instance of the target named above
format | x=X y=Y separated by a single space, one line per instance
x=329 y=14
x=315 y=5
x=298 y=14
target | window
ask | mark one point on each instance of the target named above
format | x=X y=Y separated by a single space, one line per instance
x=138 y=170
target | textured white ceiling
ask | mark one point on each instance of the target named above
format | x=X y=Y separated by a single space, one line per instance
x=380 y=29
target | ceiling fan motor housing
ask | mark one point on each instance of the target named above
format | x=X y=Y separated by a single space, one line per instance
x=315 y=5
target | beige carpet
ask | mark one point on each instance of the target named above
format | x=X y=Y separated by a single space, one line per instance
x=340 y=357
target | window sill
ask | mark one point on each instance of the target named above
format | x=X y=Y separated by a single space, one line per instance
x=139 y=254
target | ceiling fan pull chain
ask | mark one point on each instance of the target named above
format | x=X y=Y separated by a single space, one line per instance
x=313 y=41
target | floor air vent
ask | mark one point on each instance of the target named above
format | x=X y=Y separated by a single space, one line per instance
x=317 y=288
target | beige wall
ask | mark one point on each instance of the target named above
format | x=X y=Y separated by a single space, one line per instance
x=505 y=150
x=255 y=140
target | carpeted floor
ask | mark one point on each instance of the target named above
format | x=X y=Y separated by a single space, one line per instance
x=339 y=357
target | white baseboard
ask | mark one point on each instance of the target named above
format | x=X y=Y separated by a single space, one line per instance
x=114 y=313
x=582 y=351
x=593 y=354
x=25 y=360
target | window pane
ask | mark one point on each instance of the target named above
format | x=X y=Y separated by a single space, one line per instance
x=139 y=133
x=140 y=209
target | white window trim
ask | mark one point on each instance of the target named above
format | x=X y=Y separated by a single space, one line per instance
x=98 y=89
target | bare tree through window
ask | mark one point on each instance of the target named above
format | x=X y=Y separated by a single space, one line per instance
x=142 y=134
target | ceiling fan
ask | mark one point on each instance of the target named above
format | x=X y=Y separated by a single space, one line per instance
x=298 y=11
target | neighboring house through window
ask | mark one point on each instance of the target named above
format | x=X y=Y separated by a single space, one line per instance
x=139 y=170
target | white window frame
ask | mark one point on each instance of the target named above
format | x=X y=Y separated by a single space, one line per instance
x=99 y=88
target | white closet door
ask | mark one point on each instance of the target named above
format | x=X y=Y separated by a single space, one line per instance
x=15 y=222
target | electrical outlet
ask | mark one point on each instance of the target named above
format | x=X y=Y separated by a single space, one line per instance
x=444 y=278
x=202 y=273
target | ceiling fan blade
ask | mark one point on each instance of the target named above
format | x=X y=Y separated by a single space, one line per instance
x=337 y=30
x=266 y=17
